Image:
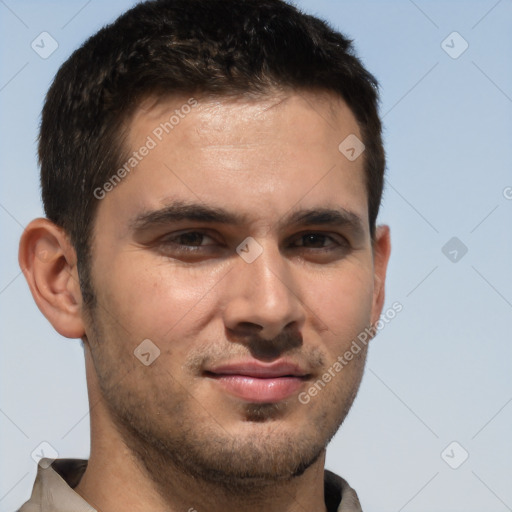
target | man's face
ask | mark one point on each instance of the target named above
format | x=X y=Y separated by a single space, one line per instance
x=240 y=334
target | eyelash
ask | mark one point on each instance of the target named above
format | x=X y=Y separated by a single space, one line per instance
x=169 y=241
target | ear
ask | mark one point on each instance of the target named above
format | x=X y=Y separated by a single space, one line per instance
x=48 y=261
x=381 y=252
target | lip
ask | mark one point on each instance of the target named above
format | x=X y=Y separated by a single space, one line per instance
x=257 y=382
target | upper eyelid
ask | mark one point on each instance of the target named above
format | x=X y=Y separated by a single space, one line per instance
x=306 y=233
x=185 y=232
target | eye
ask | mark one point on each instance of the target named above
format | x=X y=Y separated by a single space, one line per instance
x=190 y=238
x=188 y=241
x=319 y=241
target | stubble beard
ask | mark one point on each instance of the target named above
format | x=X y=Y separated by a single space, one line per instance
x=235 y=465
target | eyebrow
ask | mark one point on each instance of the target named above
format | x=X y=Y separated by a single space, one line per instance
x=197 y=212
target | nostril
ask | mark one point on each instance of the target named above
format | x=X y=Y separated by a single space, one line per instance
x=245 y=329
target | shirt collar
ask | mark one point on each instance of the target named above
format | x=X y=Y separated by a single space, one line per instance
x=52 y=492
x=339 y=493
x=55 y=480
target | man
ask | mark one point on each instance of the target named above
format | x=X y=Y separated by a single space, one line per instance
x=211 y=174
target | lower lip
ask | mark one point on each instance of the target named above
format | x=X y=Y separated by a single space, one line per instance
x=259 y=390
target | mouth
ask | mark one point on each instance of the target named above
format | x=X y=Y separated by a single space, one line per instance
x=257 y=382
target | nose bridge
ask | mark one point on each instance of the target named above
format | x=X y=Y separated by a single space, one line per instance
x=264 y=292
x=272 y=277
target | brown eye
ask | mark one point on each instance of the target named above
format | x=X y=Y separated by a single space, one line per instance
x=314 y=240
x=188 y=242
x=187 y=239
x=317 y=241
x=191 y=238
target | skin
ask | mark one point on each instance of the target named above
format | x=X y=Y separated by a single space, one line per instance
x=157 y=429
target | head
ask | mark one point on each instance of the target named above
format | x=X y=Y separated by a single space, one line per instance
x=196 y=197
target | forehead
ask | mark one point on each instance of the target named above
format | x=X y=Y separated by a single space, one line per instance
x=325 y=115
x=259 y=156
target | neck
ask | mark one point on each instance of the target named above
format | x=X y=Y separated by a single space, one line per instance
x=119 y=482
x=116 y=480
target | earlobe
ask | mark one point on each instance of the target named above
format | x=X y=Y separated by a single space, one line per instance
x=381 y=253
x=48 y=261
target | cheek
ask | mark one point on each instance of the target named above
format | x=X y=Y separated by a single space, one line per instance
x=152 y=299
x=342 y=303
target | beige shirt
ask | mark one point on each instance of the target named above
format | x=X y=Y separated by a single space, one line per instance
x=53 y=489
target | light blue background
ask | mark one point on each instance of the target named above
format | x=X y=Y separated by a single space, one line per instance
x=441 y=370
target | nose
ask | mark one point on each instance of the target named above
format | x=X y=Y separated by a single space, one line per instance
x=263 y=297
